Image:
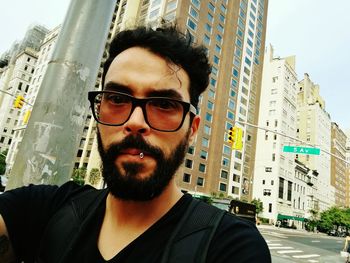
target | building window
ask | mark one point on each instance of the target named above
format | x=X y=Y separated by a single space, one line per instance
x=186 y=178
x=191 y=150
x=200 y=181
x=223 y=187
x=289 y=191
x=208 y=28
x=205 y=142
x=280 y=188
x=230 y=115
x=224 y=174
x=171 y=6
x=236 y=178
x=210 y=18
x=211 y=94
x=225 y=161
x=193 y=13
x=210 y=105
x=231 y=104
x=218 y=49
x=201 y=167
x=220 y=28
x=206 y=39
x=216 y=60
x=208 y=116
x=211 y=7
x=227 y=150
x=207 y=129
x=191 y=24
x=188 y=163
x=235 y=190
x=196 y=3
x=204 y=154
x=270 y=208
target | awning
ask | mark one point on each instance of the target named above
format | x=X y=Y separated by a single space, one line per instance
x=281 y=217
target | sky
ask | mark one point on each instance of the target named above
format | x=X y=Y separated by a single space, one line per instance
x=315 y=31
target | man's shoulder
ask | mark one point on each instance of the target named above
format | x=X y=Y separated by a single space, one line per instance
x=238 y=238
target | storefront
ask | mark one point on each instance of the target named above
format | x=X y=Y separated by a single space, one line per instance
x=291 y=221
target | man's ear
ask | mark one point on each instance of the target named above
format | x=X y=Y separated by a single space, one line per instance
x=194 y=128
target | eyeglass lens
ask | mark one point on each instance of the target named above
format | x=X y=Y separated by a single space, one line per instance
x=161 y=113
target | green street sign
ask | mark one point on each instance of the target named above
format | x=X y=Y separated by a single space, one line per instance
x=301 y=150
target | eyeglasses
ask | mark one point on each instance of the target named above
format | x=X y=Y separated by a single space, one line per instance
x=115 y=108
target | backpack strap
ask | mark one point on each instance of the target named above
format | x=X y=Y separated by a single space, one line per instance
x=191 y=238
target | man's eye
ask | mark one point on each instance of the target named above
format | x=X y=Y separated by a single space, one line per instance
x=116 y=99
x=165 y=104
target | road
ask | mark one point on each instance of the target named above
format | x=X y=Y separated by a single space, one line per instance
x=287 y=245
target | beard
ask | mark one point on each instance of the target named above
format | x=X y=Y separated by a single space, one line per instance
x=129 y=186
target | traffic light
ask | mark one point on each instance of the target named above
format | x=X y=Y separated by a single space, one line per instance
x=235 y=135
x=230 y=135
x=19 y=101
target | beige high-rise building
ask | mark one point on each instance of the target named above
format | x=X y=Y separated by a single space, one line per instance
x=234 y=34
x=314 y=127
x=347 y=169
x=338 y=166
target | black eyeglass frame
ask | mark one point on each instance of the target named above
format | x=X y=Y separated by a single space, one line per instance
x=187 y=107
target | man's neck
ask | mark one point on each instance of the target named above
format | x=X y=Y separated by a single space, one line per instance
x=124 y=220
x=123 y=212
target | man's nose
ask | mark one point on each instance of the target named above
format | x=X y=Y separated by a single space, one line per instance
x=137 y=122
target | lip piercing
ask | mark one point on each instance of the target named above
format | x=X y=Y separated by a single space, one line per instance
x=141 y=155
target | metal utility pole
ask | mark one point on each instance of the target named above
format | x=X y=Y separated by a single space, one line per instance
x=48 y=149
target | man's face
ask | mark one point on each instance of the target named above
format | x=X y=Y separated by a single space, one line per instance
x=138 y=161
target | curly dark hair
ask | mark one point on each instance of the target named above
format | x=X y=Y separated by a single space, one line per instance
x=168 y=42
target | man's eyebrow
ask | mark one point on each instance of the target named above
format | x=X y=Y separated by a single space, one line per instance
x=166 y=93
x=117 y=87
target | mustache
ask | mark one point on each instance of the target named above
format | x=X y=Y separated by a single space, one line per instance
x=133 y=141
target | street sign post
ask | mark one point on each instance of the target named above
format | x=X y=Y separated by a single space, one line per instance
x=301 y=150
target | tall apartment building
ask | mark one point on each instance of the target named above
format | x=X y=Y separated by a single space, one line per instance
x=347 y=169
x=38 y=70
x=314 y=127
x=275 y=170
x=234 y=35
x=16 y=71
x=338 y=166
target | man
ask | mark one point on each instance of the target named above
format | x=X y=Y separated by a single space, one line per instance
x=146 y=119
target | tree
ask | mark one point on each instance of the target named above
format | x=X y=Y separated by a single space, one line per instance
x=258 y=205
x=3 y=162
x=78 y=175
x=94 y=176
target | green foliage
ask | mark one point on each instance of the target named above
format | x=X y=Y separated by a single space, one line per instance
x=329 y=219
x=3 y=162
x=94 y=176
x=207 y=199
x=78 y=175
x=258 y=205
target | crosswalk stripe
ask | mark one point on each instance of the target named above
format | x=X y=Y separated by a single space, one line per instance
x=274 y=244
x=313 y=261
x=272 y=240
x=306 y=256
x=315 y=241
x=289 y=251
x=281 y=248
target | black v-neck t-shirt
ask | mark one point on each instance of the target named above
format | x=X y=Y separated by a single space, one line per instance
x=27 y=211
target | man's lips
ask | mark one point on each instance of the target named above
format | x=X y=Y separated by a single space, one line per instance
x=133 y=151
